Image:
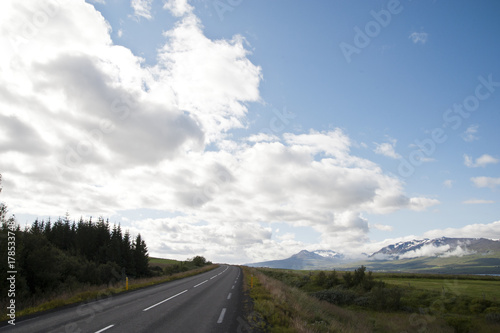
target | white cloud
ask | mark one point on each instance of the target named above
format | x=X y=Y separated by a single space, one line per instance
x=486 y=182
x=142 y=8
x=178 y=7
x=457 y=252
x=387 y=149
x=481 y=161
x=419 y=37
x=382 y=227
x=491 y=230
x=110 y=133
x=428 y=250
x=470 y=133
x=477 y=201
x=448 y=183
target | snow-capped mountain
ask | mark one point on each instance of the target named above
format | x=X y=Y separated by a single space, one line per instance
x=304 y=260
x=329 y=254
x=389 y=256
x=438 y=247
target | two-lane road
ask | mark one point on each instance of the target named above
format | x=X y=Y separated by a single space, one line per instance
x=209 y=302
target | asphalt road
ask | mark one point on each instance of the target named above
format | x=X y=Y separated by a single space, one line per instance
x=209 y=302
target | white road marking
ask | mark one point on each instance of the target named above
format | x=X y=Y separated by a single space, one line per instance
x=199 y=284
x=221 y=317
x=232 y=287
x=229 y=296
x=168 y=299
x=105 y=328
x=213 y=277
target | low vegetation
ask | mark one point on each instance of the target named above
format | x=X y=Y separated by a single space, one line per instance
x=363 y=301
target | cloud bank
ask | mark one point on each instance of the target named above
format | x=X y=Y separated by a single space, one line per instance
x=87 y=127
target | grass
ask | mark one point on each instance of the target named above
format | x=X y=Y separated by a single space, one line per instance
x=99 y=292
x=287 y=309
x=283 y=299
x=162 y=262
x=474 y=288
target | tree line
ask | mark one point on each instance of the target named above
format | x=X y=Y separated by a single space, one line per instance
x=53 y=257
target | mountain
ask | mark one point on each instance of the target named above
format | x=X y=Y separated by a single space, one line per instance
x=304 y=260
x=438 y=247
x=439 y=255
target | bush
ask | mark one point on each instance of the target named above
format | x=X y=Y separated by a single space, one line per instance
x=331 y=280
x=492 y=314
x=460 y=324
x=337 y=296
x=199 y=261
x=479 y=305
x=386 y=299
x=320 y=279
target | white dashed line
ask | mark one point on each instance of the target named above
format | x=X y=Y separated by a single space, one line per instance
x=199 y=284
x=229 y=296
x=105 y=328
x=232 y=287
x=221 y=317
x=168 y=299
x=213 y=277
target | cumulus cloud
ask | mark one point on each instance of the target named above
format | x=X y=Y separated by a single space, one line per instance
x=387 y=149
x=110 y=133
x=481 y=161
x=142 y=8
x=472 y=230
x=178 y=7
x=490 y=182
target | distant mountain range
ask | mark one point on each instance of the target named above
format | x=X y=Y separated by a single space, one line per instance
x=440 y=255
x=304 y=260
x=440 y=247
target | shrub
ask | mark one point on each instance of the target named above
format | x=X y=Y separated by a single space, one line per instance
x=386 y=299
x=492 y=314
x=337 y=296
x=460 y=324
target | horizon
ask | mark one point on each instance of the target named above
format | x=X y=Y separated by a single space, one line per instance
x=247 y=131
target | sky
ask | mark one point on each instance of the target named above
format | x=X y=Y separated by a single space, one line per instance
x=247 y=131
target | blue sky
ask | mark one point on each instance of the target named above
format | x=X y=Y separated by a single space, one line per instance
x=249 y=130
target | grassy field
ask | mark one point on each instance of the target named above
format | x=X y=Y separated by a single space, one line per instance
x=162 y=262
x=480 y=263
x=485 y=289
x=315 y=301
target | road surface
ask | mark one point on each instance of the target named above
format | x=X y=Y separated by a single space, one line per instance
x=209 y=302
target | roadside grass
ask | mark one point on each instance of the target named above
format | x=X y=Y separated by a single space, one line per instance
x=282 y=297
x=287 y=309
x=90 y=293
